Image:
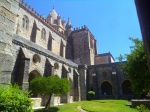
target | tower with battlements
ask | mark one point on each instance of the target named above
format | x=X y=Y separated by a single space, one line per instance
x=34 y=46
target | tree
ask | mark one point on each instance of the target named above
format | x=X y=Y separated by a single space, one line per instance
x=49 y=86
x=137 y=68
x=120 y=58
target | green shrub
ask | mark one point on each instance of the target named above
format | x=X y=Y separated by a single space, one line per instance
x=12 y=99
x=142 y=108
x=91 y=95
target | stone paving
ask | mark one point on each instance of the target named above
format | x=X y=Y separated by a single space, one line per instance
x=80 y=108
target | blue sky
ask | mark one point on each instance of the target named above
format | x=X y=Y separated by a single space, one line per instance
x=112 y=22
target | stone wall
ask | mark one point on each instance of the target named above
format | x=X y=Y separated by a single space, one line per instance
x=8 y=16
x=101 y=59
x=103 y=76
x=35 y=27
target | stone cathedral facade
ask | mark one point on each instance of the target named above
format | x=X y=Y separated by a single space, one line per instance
x=33 y=46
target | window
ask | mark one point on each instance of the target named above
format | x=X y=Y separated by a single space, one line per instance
x=25 y=22
x=43 y=34
x=49 y=45
x=91 y=43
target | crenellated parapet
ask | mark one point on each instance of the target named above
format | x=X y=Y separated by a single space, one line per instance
x=82 y=28
x=41 y=18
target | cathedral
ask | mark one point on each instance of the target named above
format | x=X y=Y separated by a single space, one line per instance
x=34 y=46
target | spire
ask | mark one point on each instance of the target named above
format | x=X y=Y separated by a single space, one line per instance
x=68 y=27
x=68 y=22
x=53 y=13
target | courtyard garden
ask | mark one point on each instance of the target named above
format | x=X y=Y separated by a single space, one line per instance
x=94 y=106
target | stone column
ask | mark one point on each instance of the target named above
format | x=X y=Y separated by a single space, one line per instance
x=64 y=51
x=79 y=92
x=25 y=82
x=52 y=70
x=143 y=11
x=83 y=89
x=68 y=94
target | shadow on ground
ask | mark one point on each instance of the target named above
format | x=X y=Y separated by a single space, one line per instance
x=51 y=109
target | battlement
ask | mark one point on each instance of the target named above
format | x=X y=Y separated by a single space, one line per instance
x=77 y=29
x=41 y=18
x=82 y=28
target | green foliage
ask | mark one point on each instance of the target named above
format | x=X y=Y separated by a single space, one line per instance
x=91 y=95
x=142 y=108
x=50 y=85
x=120 y=58
x=12 y=99
x=137 y=68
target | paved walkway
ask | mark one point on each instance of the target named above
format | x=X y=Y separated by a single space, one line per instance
x=80 y=108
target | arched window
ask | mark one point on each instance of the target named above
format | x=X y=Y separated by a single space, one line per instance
x=126 y=87
x=61 y=49
x=49 y=45
x=106 y=88
x=91 y=43
x=43 y=34
x=25 y=22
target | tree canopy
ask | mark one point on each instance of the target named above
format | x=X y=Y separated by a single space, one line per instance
x=137 y=68
x=50 y=85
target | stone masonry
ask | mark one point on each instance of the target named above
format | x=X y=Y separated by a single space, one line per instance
x=33 y=46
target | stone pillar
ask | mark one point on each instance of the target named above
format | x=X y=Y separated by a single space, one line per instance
x=79 y=92
x=68 y=94
x=25 y=84
x=52 y=70
x=143 y=11
x=83 y=89
x=64 y=51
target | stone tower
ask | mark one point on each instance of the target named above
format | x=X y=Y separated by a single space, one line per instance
x=83 y=46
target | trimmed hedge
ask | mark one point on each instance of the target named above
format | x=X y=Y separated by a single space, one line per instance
x=91 y=95
x=12 y=99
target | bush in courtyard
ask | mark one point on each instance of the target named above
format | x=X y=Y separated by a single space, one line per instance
x=91 y=95
x=12 y=99
x=49 y=86
x=142 y=108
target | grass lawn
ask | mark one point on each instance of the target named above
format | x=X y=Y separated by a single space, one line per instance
x=93 y=106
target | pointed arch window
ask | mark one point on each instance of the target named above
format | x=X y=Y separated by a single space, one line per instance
x=43 y=34
x=25 y=22
x=61 y=49
x=49 y=45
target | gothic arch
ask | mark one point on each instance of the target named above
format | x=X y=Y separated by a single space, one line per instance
x=32 y=75
x=25 y=22
x=126 y=87
x=43 y=34
x=106 y=88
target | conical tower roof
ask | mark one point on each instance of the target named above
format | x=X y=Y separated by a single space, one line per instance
x=53 y=14
x=68 y=22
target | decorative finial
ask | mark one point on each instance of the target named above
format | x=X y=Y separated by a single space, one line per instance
x=53 y=7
